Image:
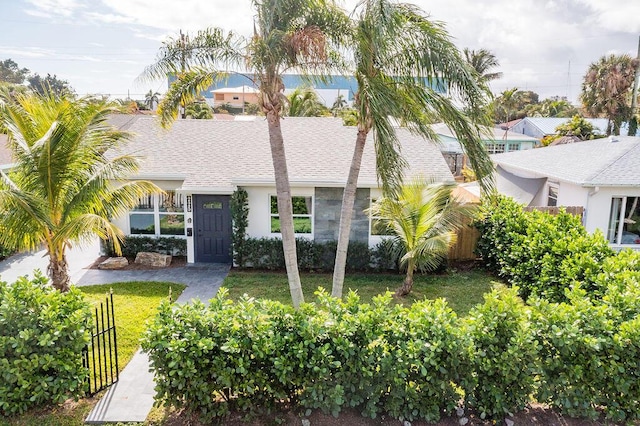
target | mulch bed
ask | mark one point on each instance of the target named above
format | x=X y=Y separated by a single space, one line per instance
x=176 y=262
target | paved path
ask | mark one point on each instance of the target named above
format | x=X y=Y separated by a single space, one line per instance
x=131 y=399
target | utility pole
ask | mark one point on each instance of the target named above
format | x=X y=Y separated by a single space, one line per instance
x=633 y=123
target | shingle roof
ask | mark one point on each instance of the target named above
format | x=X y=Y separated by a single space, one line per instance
x=547 y=125
x=216 y=155
x=489 y=134
x=599 y=162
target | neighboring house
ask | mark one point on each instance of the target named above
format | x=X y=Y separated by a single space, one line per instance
x=496 y=141
x=539 y=127
x=600 y=175
x=200 y=163
x=237 y=97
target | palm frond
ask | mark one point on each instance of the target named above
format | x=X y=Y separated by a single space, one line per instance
x=184 y=91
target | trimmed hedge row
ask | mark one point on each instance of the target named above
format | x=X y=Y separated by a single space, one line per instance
x=42 y=334
x=540 y=253
x=409 y=363
x=132 y=245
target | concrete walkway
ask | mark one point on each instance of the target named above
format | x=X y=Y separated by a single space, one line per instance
x=131 y=398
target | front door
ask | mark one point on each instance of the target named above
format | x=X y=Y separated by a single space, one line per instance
x=213 y=228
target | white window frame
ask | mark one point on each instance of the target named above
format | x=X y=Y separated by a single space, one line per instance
x=556 y=187
x=310 y=216
x=372 y=200
x=157 y=214
x=620 y=227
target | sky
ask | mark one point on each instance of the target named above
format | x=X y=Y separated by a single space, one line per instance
x=102 y=46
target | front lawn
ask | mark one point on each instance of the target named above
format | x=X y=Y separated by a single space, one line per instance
x=134 y=303
x=462 y=289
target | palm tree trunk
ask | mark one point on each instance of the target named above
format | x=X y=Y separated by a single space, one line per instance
x=58 y=270
x=407 y=284
x=346 y=214
x=285 y=209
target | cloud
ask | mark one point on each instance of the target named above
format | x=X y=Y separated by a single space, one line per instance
x=53 y=8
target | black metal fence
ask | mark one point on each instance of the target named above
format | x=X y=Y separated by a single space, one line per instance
x=101 y=355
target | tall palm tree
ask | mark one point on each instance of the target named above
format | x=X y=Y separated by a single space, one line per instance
x=607 y=89
x=151 y=99
x=63 y=188
x=288 y=34
x=404 y=64
x=482 y=61
x=304 y=102
x=423 y=218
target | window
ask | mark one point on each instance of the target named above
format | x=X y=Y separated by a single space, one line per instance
x=624 y=221
x=377 y=225
x=302 y=214
x=514 y=147
x=158 y=215
x=495 y=148
x=552 y=195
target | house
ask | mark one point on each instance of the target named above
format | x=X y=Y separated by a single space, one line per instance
x=600 y=175
x=539 y=127
x=237 y=97
x=200 y=163
x=496 y=141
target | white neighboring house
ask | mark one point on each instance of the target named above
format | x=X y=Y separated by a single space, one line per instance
x=602 y=175
x=539 y=127
x=200 y=163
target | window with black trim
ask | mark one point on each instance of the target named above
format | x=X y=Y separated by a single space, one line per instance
x=158 y=215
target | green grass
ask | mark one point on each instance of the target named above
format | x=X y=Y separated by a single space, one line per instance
x=134 y=303
x=462 y=290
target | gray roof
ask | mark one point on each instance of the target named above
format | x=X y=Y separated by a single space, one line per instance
x=600 y=162
x=489 y=134
x=547 y=125
x=217 y=155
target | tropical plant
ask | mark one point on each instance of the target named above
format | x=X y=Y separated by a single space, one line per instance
x=404 y=64
x=287 y=34
x=483 y=61
x=304 y=102
x=512 y=104
x=338 y=105
x=423 y=218
x=10 y=72
x=63 y=189
x=607 y=89
x=151 y=99
x=199 y=111
x=579 y=127
x=51 y=84
x=551 y=107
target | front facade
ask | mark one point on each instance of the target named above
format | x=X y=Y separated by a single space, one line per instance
x=599 y=175
x=200 y=163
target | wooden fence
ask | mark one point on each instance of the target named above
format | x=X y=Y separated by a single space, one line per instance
x=468 y=235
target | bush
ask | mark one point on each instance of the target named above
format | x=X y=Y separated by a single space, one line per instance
x=42 y=335
x=504 y=357
x=132 y=245
x=250 y=354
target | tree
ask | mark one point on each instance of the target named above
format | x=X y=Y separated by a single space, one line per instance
x=482 y=61
x=151 y=99
x=63 y=188
x=287 y=34
x=512 y=104
x=51 y=84
x=551 y=107
x=423 y=218
x=607 y=88
x=199 y=111
x=10 y=72
x=577 y=126
x=304 y=102
x=403 y=62
x=338 y=105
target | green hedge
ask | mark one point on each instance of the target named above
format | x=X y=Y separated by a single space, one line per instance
x=42 y=334
x=267 y=253
x=541 y=254
x=132 y=245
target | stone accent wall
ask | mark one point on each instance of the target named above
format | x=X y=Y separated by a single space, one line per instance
x=327 y=215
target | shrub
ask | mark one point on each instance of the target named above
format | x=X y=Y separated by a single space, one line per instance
x=239 y=207
x=42 y=335
x=132 y=245
x=504 y=356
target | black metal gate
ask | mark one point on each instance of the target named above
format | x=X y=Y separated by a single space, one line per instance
x=101 y=355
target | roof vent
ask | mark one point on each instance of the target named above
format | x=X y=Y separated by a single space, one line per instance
x=613 y=139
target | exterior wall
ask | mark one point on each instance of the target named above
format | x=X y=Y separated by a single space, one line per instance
x=599 y=206
x=328 y=202
x=568 y=194
x=224 y=98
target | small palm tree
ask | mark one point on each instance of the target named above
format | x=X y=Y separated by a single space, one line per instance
x=63 y=187
x=423 y=218
x=151 y=99
x=304 y=102
x=483 y=61
x=338 y=105
x=199 y=111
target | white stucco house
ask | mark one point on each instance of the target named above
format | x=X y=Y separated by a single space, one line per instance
x=602 y=175
x=200 y=163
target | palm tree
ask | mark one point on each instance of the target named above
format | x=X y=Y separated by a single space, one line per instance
x=63 y=188
x=288 y=34
x=423 y=218
x=151 y=99
x=199 y=111
x=338 y=105
x=403 y=64
x=304 y=102
x=482 y=61
x=607 y=89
